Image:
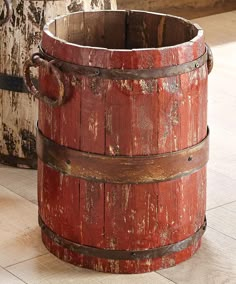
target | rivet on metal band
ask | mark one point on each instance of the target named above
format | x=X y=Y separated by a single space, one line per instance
x=123 y=254
x=122 y=169
x=127 y=74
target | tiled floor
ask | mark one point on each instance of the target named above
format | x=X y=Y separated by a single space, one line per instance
x=23 y=258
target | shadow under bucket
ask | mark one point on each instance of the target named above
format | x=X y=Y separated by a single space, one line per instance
x=122 y=139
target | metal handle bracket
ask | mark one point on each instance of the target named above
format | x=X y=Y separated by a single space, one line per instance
x=37 y=61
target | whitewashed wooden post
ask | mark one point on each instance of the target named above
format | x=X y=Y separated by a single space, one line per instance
x=78 y=5
x=21 y=22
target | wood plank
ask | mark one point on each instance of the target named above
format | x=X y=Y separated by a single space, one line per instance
x=142 y=30
x=92 y=139
x=115 y=23
x=214 y=263
x=94 y=32
x=19 y=231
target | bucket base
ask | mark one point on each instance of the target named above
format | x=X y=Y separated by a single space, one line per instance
x=119 y=266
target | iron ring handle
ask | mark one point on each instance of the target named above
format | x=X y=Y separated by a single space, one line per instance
x=210 y=61
x=8 y=4
x=35 y=62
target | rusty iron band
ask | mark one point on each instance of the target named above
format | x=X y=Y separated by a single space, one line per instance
x=58 y=68
x=123 y=254
x=122 y=169
x=129 y=74
x=14 y=83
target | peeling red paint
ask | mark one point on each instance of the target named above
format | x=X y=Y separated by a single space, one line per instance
x=127 y=117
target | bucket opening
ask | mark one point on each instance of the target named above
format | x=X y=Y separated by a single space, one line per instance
x=123 y=29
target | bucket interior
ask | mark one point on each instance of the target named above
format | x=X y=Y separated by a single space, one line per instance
x=123 y=29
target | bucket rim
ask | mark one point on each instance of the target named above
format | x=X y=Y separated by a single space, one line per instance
x=200 y=31
x=135 y=58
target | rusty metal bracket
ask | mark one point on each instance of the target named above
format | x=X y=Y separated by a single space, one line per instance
x=8 y=4
x=123 y=254
x=210 y=61
x=129 y=74
x=37 y=61
x=122 y=169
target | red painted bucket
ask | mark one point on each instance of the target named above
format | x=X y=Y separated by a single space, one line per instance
x=122 y=139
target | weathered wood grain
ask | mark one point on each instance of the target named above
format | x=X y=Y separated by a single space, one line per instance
x=87 y=5
x=19 y=111
x=125 y=117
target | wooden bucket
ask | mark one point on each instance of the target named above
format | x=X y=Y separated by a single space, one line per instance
x=122 y=139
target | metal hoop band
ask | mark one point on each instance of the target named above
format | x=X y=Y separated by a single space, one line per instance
x=123 y=254
x=129 y=74
x=122 y=169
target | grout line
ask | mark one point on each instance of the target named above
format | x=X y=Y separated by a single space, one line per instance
x=165 y=277
x=6 y=267
x=221 y=233
x=15 y=276
x=220 y=205
x=12 y=191
x=220 y=173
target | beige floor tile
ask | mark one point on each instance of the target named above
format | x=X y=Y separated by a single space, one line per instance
x=222 y=108
x=220 y=189
x=214 y=263
x=222 y=100
x=21 y=181
x=48 y=269
x=223 y=219
x=148 y=278
x=19 y=231
x=8 y=278
x=222 y=152
x=219 y=28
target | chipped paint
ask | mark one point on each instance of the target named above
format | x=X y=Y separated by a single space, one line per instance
x=93 y=124
x=127 y=118
x=148 y=86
